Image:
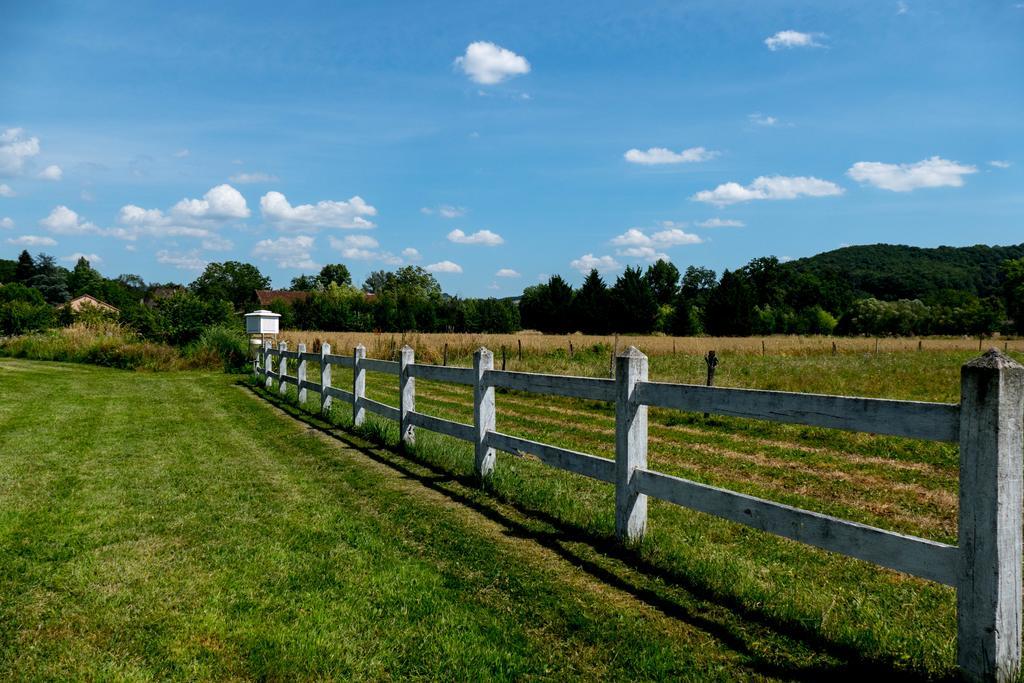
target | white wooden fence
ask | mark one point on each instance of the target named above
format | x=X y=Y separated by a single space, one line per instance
x=984 y=567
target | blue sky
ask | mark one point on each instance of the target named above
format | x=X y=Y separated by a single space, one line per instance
x=497 y=143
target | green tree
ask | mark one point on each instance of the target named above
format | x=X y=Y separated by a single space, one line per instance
x=334 y=272
x=730 y=310
x=698 y=282
x=84 y=279
x=305 y=283
x=663 y=279
x=184 y=315
x=591 y=305
x=636 y=309
x=1012 y=272
x=548 y=307
x=376 y=282
x=26 y=267
x=50 y=279
x=231 y=281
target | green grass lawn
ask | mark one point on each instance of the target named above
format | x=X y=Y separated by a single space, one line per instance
x=177 y=525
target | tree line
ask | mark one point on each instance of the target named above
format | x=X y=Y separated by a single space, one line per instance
x=833 y=293
x=765 y=297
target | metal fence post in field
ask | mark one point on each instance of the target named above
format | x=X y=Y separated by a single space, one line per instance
x=406 y=395
x=989 y=572
x=358 y=385
x=483 y=412
x=300 y=374
x=325 y=380
x=630 y=445
x=268 y=364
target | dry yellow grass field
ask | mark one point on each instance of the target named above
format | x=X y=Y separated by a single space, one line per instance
x=430 y=346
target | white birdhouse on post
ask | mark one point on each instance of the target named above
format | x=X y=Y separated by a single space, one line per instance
x=261 y=323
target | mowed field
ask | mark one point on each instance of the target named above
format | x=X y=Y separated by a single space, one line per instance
x=180 y=525
x=904 y=485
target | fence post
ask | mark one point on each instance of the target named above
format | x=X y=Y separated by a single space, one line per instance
x=483 y=412
x=282 y=369
x=300 y=372
x=358 y=385
x=406 y=395
x=630 y=445
x=268 y=364
x=988 y=595
x=325 y=380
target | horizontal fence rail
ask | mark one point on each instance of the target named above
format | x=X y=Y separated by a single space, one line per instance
x=984 y=567
x=912 y=419
x=557 y=385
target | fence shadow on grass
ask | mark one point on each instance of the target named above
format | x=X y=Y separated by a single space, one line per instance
x=732 y=627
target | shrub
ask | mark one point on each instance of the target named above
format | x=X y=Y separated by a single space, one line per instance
x=227 y=344
x=20 y=317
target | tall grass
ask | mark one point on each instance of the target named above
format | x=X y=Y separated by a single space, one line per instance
x=106 y=343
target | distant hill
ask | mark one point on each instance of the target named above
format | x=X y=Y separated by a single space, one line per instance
x=894 y=271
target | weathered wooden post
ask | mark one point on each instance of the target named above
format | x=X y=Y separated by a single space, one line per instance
x=484 y=419
x=712 y=362
x=520 y=342
x=268 y=364
x=445 y=358
x=300 y=372
x=630 y=446
x=358 y=385
x=502 y=357
x=406 y=395
x=325 y=380
x=282 y=369
x=988 y=591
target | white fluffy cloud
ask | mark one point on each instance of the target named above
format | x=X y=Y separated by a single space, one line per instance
x=6 y=223
x=444 y=211
x=190 y=260
x=15 y=150
x=32 y=241
x=769 y=187
x=6 y=190
x=933 y=172
x=363 y=248
x=411 y=254
x=670 y=237
x=93 y=259
x=480 y=237
x=219 y=202
x=51 y=172
x=257 y=177
x=137 y=221
x=287 y=252
x=487 y=63
x=791 y=39
x=996 y=163
x=721 y=223
x=64 y=221
x=588 y=262
x=323 y=214
x=635 y=243
x=661 y=155
x=507 y=272
x=444 y=267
